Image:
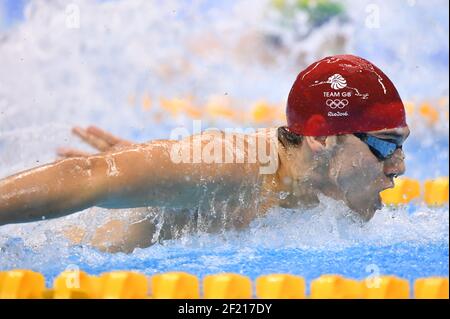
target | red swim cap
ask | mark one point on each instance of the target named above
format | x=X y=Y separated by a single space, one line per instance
x=343 y=94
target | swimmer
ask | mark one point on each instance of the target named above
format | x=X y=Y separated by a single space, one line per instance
x=345 y=130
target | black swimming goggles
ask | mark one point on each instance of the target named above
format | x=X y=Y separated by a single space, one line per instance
x=382 y=149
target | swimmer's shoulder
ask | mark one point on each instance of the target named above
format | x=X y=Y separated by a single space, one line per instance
x=249 y=134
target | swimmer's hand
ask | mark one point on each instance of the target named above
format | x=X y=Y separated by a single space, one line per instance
x=97 y=138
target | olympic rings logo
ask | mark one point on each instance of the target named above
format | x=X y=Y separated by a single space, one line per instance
x=336 y=103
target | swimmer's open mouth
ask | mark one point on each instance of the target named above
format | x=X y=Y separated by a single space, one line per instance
x=390 y=184
x=379 y=202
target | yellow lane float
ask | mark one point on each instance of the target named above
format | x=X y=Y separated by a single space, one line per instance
x=74 y=284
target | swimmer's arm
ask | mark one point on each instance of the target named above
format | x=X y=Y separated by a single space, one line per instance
x=52 y=190
x=138 y=176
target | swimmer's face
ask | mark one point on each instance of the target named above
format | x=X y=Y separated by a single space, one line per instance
x=360 y=176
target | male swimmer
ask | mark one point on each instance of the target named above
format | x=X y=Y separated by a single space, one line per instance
x=345 y=129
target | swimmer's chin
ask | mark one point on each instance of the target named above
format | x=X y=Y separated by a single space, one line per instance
x=370 y=211
x=365 y=214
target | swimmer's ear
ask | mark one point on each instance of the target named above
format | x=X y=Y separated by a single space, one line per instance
x=287 y=138
x=318 y=144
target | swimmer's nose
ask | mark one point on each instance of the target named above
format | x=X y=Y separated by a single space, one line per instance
x=395 y=165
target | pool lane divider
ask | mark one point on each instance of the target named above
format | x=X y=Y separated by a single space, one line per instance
x=432 y=192
x=27 y=284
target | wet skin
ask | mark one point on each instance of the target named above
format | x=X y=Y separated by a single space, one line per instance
x=127 y=175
